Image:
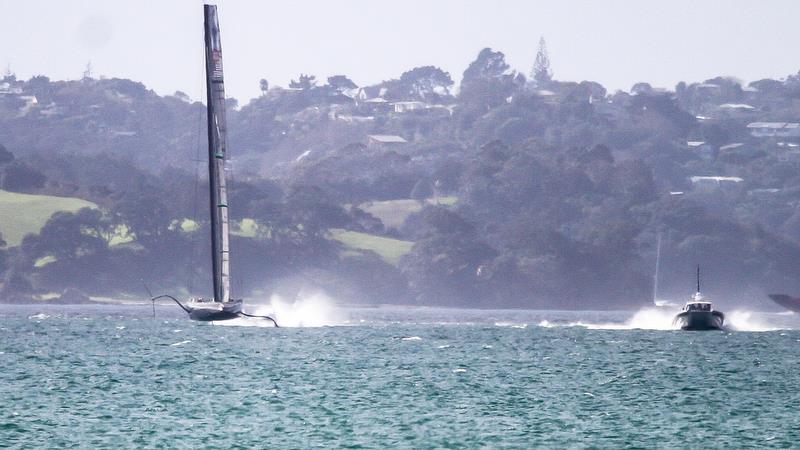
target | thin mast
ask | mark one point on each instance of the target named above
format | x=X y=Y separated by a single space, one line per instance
x=698 y=278
x=215 y=90
x=655 y=276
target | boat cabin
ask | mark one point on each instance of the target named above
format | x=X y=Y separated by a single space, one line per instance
x=698 y=306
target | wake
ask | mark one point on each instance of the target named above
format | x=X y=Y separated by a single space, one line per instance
x=654 y=318
x=306 y=310
x=644 y=319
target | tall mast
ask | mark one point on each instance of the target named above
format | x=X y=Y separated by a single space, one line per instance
x=215 y=90
x=655 y=276
x=698 y=278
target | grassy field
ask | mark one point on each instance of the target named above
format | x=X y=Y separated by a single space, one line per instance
x=21 y=214
x=394 y=212
x=390 y=250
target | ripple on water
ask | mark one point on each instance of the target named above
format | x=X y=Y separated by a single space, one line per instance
x=71 y=383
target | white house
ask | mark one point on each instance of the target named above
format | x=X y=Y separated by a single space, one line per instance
x=401 y=107
x=774 y=129
x=713 y=183
x=737 y=106
x=385 y=140
x=703 y=149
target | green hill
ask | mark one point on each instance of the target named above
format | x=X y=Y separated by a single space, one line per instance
x=390 y=250
x=21 y=214
x=394 y=212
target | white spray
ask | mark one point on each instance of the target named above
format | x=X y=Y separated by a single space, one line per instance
x=308 y=309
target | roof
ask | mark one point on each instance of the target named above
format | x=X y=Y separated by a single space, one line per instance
x=731 y=146
x=695 y=179
x=409 y=102
x=773 y=125
x=376 y=100
x=736 y=106
x=387 y=138
x=707 y=85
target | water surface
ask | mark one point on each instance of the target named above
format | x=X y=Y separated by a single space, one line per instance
x=391 y=377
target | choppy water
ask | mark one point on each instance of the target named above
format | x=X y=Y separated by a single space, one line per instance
x=113 y=376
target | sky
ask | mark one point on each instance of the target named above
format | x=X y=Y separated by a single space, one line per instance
x=616 y=43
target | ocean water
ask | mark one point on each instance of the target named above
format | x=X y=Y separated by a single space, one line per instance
x=114 y=376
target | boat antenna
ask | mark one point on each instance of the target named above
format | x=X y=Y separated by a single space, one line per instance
x=698 y=278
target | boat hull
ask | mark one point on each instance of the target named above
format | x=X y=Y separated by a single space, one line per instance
x=216 y=311
x=699 y=320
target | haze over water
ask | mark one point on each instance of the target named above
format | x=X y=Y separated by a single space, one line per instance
x=394 y=377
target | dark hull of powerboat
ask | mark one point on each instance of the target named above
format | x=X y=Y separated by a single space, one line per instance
x=700 y=320
x=230 y=310
x=790 y=303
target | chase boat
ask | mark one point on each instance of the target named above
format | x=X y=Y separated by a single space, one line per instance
x=699 y=314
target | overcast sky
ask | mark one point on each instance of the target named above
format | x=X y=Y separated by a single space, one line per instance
x=616 y=43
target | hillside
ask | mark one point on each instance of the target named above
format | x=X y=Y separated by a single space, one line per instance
x=552 y=193
x=21 y=214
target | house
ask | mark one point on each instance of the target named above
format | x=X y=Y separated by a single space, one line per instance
x=385 y=140
x=774 y=129
x=401 y=107
x=763 y=191
x=376 y=101
x=729 y=147
x=348 y=118
x=375 y=105
x=737 y=107
x=7 y=89
x=739 y=153
x=713 y=183
x=704 y=150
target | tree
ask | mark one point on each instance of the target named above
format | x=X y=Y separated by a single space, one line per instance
x=422 y=191
x=5 y=155
x=488 y=82
x=489 y=64
x=264 y=86
x=87 y=73
x=425 y=83
x=147 y=217
x=341 y=83
x=18 y=176
x=69 y=236
x=312 y=212
x=642 y=89
x=305 y=82
x=541 y=73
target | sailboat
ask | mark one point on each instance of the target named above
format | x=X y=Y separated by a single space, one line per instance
x=699 y=314
x=222 y=306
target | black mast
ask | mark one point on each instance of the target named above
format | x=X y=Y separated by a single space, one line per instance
x=215 y=95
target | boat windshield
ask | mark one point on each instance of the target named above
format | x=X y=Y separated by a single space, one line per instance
x=698 y=307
